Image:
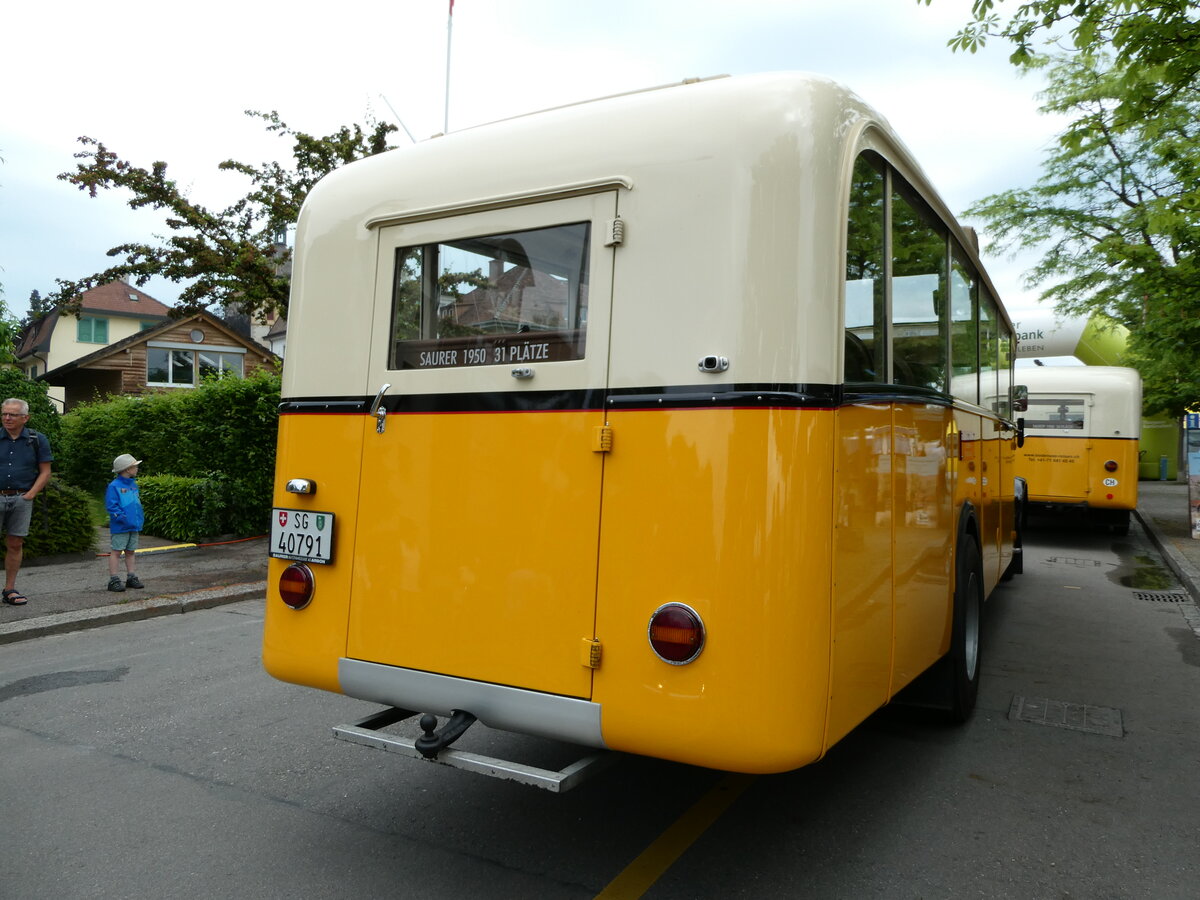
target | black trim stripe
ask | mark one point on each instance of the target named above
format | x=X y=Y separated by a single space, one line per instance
x=726 y=396
x=310 y=405
x=693 y=396
x=1031 y=435
x=496 y=402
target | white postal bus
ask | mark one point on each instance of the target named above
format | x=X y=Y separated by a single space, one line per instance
x=627 y=422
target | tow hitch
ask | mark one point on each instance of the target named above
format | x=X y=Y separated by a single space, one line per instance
x=434 y=746
x=431 y=742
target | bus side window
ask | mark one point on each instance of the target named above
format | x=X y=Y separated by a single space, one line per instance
x=964 y=331
x=864 y=342
x=918 y=291
x=989 y=352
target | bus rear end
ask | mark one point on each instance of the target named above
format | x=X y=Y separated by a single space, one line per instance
x=515 y=477
x=1080 y=453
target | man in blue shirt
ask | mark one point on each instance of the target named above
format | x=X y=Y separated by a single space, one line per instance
x=24 y=470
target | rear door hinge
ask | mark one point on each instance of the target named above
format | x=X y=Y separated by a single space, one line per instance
x=614 y=232
x=590 y=655
x=602 y=439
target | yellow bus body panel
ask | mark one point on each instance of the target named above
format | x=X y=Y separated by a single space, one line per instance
x=476 y=547
x=1071 y=470
x=923 y=542
x=304 y=646
x=863 y=566
x=726 y=511
x=895 y=521
x=802 y=538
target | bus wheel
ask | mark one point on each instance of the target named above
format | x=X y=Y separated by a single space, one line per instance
x=968 y=627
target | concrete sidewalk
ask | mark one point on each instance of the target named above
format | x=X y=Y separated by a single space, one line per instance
x=68 y=594
x=1163 y=511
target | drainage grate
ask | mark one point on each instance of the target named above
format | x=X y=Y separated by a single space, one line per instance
x=1074 y=561
x=1060 y=714
x=1161 y=596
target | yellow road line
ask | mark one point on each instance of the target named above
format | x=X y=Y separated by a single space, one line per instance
x=640 y=875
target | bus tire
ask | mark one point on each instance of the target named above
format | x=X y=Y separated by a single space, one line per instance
x=1020 y=507
x=966 y=632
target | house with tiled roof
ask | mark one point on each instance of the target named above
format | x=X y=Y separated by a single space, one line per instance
x=175 y=354
x=108 y=314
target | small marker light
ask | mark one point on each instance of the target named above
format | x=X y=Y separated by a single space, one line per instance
x=1110 y=466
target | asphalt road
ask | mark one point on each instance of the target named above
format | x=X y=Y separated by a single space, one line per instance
x=156 y=759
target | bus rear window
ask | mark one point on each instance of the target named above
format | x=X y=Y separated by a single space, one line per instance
x=1055 y=413
x=500 y=299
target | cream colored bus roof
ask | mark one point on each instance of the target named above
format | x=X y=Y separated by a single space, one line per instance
x=1114 y=394
x=733 y=192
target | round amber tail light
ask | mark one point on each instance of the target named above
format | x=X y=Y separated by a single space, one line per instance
x=296 y=585
x=676 y=633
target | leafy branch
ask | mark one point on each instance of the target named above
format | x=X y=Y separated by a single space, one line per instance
x=234 y=255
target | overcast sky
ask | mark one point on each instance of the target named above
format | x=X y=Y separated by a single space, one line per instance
x=159 y=81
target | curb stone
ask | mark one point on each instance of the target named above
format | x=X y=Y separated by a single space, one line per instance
x=1187 y=574
x=130 y=611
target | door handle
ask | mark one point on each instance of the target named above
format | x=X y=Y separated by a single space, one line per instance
x=378 y=410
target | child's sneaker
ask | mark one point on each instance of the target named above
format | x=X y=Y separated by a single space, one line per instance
x=114 y=584
x=133 y=581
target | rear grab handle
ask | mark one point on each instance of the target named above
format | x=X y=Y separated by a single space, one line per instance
x=378 y=410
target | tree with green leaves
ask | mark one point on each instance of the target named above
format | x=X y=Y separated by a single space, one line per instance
x=1156 y=43
x=1115 y=216
x=228 y=256
x=39 y=308
x=10 y=333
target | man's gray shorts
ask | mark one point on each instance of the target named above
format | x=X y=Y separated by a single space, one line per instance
x=17 y=512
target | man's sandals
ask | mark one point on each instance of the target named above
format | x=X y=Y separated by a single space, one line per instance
x=13 y=597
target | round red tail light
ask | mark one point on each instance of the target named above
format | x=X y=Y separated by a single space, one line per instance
x=676 y=633
x=1110 y=466
x=296 y=585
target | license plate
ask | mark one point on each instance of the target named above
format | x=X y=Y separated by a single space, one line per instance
x=302 y=535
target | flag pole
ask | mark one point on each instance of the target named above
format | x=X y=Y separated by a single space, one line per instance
x=449 y=32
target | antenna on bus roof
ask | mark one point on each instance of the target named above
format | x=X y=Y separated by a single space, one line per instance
x=449 y=32
x=398 y=119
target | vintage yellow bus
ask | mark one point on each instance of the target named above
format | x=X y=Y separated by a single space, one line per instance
x=1080 y=453
x=649 y=424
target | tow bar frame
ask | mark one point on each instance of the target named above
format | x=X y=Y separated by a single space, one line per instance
x=367 y=731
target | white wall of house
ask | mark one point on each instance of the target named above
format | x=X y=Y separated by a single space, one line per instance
x=74 y=338
x=66 y=345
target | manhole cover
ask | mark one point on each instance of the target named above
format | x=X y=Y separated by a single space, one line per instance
x=1161 y=596
x=1061 y=714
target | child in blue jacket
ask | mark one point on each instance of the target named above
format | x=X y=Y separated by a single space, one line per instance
x=125 y=520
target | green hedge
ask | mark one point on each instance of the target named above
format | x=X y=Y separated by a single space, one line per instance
x=208 y=455
x=61 y=523
x=183 y=509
